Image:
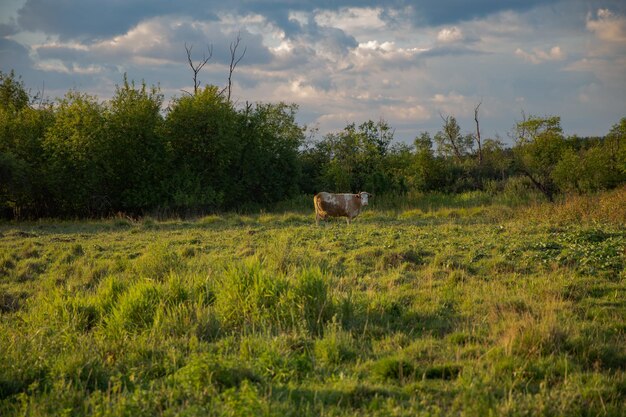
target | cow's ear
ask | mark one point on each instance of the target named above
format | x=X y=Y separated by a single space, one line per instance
x=358 y=196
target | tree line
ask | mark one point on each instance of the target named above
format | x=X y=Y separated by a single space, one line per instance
x=79 y=156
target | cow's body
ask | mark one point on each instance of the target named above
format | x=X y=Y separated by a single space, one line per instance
x=339 y=205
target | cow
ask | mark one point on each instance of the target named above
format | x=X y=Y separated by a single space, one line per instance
x=339 y=205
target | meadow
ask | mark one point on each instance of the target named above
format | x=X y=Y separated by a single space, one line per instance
x=430 y=306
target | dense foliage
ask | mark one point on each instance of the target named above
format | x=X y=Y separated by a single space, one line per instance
x=81 y=157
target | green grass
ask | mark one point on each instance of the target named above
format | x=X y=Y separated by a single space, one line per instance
x=427 y=307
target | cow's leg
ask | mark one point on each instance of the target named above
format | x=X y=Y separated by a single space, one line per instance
x=348 y=220
x=317 y=219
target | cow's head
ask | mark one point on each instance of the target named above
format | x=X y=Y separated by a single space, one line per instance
x=364 y=196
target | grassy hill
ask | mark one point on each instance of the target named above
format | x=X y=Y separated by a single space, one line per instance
x=437 y=306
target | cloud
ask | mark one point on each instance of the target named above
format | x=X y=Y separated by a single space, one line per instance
x=609 y=70
x=344 y=60
x=352 y=19
x=8 y=29
x=13 y=56
x=607 y=26
x=406 y=112
x=59 y=66
x=327 y=42
x=374 y=54
x=95 y=19
x=152 y=43
x=450 y=34
x=452 y=103
x=538 y=56
x=605 y=56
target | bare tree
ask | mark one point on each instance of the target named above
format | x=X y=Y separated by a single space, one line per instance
x=477 y=138
x=197 y=67
x=234 y=60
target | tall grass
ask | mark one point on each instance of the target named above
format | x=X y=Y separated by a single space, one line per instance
x=608 y=207
x=425 y=305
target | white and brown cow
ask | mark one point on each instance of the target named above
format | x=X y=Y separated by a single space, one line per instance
x=339 y=205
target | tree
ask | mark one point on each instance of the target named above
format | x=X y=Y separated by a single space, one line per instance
x=539 y=146
x=71 y=146
x=496 y=159
x=269 y=168
x=427 y=173
x=13 y=94
x=582 y=171
x=477 y=137
x=314 y=158
x=200 y=133
x=397 y=163
x=132 y=159
x=450 y=142
x=615 y=144
x=357 y=157
x=234 y=61
x=592 y=164
x=22 y=128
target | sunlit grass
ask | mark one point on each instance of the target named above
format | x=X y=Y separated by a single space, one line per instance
x=439 y=306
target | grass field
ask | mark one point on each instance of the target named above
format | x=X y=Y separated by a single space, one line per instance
x=437 y=306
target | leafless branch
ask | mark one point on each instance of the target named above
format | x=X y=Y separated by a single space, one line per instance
x=197 y=67
x=234 y=60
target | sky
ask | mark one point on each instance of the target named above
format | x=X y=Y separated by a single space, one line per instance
x=342 y=61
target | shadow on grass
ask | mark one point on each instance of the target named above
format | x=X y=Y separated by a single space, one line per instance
x=353 y=397
x=394 y=317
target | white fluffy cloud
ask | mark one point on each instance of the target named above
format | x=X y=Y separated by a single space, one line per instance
x=450 y=34
x=353 y=20
x=607 y=26
x=537 y=55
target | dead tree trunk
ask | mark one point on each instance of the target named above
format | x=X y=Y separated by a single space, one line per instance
x=197 y=67
x=478 y=140
x=234 y=60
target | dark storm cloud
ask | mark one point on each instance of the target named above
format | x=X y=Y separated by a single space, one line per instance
x=94 y=19
x=8 y=29
x=333 y=40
